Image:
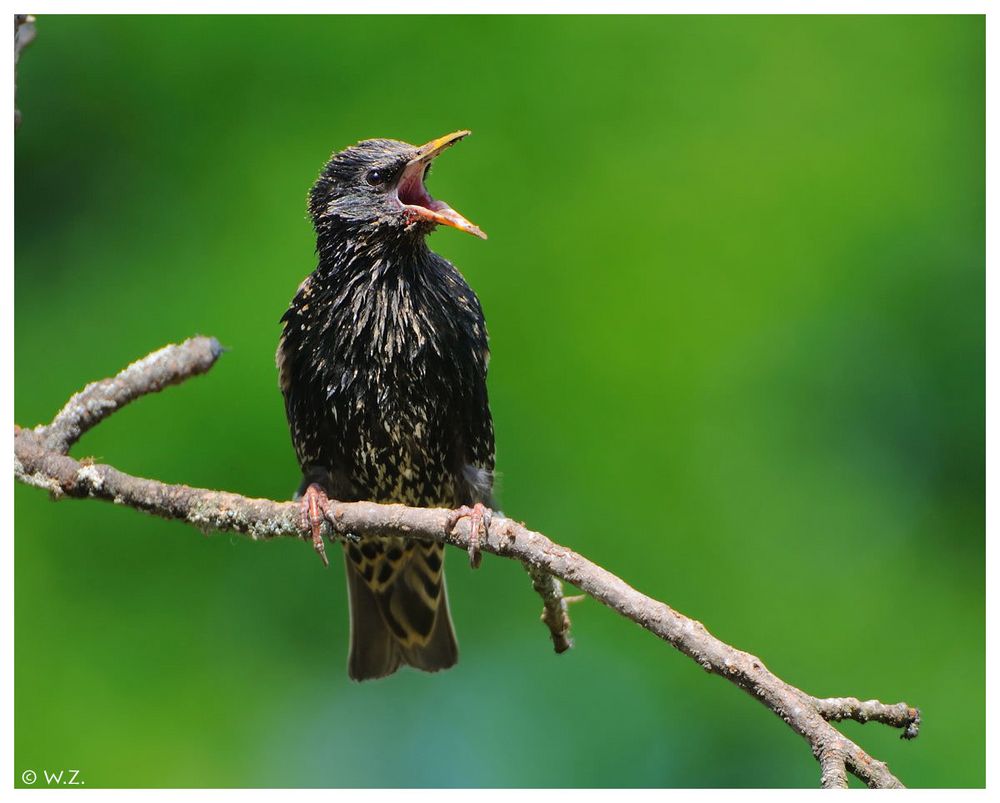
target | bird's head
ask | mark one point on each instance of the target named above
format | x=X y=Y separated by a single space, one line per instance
x=379 y=184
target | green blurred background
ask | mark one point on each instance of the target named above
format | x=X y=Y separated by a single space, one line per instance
x=734 y=285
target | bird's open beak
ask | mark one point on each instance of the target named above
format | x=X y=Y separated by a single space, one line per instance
x=414 y=197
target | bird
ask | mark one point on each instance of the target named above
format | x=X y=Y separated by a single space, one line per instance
x=382 y=362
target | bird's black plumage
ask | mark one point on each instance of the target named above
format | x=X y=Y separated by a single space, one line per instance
x=382 y=363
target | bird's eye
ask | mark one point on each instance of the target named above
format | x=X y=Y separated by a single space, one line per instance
x=374 y=177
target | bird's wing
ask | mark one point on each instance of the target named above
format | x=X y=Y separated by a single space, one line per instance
x=479 y=448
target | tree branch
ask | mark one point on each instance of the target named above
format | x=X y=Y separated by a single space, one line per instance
x=833 y=769
x=24 y=35
x=555 y=609
x=167 y=366
x=900 y=715
x=40 y=459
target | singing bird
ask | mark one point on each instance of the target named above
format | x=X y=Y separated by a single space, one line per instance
x=382 y=363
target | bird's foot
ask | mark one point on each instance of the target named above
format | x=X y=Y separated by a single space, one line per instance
x=315 y=504
x=479 y=523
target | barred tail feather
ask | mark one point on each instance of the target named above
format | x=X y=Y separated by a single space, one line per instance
x=402 y=620
x=373 y=649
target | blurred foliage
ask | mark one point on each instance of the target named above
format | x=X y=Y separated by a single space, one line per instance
x=735 y=288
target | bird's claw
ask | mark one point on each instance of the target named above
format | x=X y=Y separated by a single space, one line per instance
x=479 y=523
x=315 y=504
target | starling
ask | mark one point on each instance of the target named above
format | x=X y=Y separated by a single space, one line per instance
x=382 y=364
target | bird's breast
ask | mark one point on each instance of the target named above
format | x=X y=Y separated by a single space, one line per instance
x=384 y=367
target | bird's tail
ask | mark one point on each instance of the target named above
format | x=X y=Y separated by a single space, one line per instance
x=399 y=608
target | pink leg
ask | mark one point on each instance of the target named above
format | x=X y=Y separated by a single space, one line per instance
x=314 y=507
x=479 y=523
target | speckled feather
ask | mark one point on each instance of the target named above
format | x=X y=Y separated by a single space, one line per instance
x=382 y=363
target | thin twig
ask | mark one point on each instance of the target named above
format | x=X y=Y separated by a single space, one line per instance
x=24 y=35
x=167 y=366
x=900 y=715
x=555 y=613
x=40 y=460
